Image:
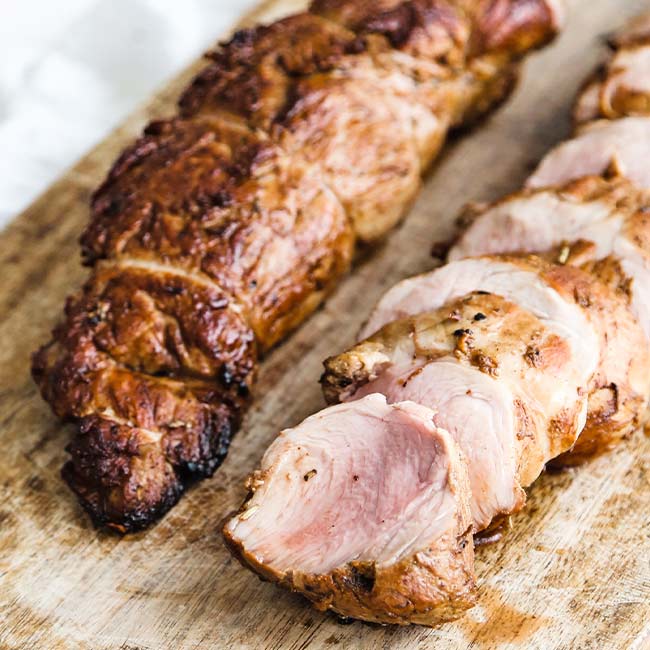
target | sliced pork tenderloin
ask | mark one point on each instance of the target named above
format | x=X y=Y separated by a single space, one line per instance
x=621 y=87
x=612 y=216
x=594 y=318
x=618 y=147
x=613 y=110
x=511 y=391
x=364 y=509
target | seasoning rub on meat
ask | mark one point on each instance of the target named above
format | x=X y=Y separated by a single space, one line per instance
x=531 y=346
x=221 y=229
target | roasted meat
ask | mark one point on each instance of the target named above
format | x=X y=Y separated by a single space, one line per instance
x=221 y=229
x=510 y=391
x=621 y=87
x=590 y=222
x=613 y=117
x=379 y=530
x=594 y=318
x=617 y=148
x=522 y=359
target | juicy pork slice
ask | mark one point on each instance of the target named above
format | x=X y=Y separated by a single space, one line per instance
x=595 y=319
x=587 y=220
x=516 y=279
x=619 y=147
x=364 y=509
x=509 y=389
x=621 y=87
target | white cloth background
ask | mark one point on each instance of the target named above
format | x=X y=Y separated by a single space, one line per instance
x=71 y=70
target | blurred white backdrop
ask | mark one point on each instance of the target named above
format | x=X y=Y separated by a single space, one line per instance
x=71 y=70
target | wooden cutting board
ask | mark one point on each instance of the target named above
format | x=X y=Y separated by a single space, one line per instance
x=574 y=572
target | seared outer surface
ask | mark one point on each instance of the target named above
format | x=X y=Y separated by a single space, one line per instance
x=414 y=590
x=619 y=391
x=225 y=227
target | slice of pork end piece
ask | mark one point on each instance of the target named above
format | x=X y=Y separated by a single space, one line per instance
x=364 y=509
x=589 y=310
x=621 y=87
x=509 y=389
x=612 y=215
x=617 y=147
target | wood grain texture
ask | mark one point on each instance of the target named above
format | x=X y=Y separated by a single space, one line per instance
x=574 y=572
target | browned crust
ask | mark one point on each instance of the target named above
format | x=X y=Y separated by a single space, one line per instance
x=144 y=355
x=411 y=591
x=615 y=402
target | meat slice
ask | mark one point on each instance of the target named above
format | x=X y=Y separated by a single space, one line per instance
x=595 y=319
x=512 y=278
x=482 y=418
x=619 y=390
x=611 y=216
x=620 y=146
x=591 y=209
x=621 y=87
x=508 y=388
x=364 y=509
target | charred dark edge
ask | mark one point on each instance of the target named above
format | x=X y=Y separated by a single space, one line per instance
x=132 y=521
x=187 y=475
